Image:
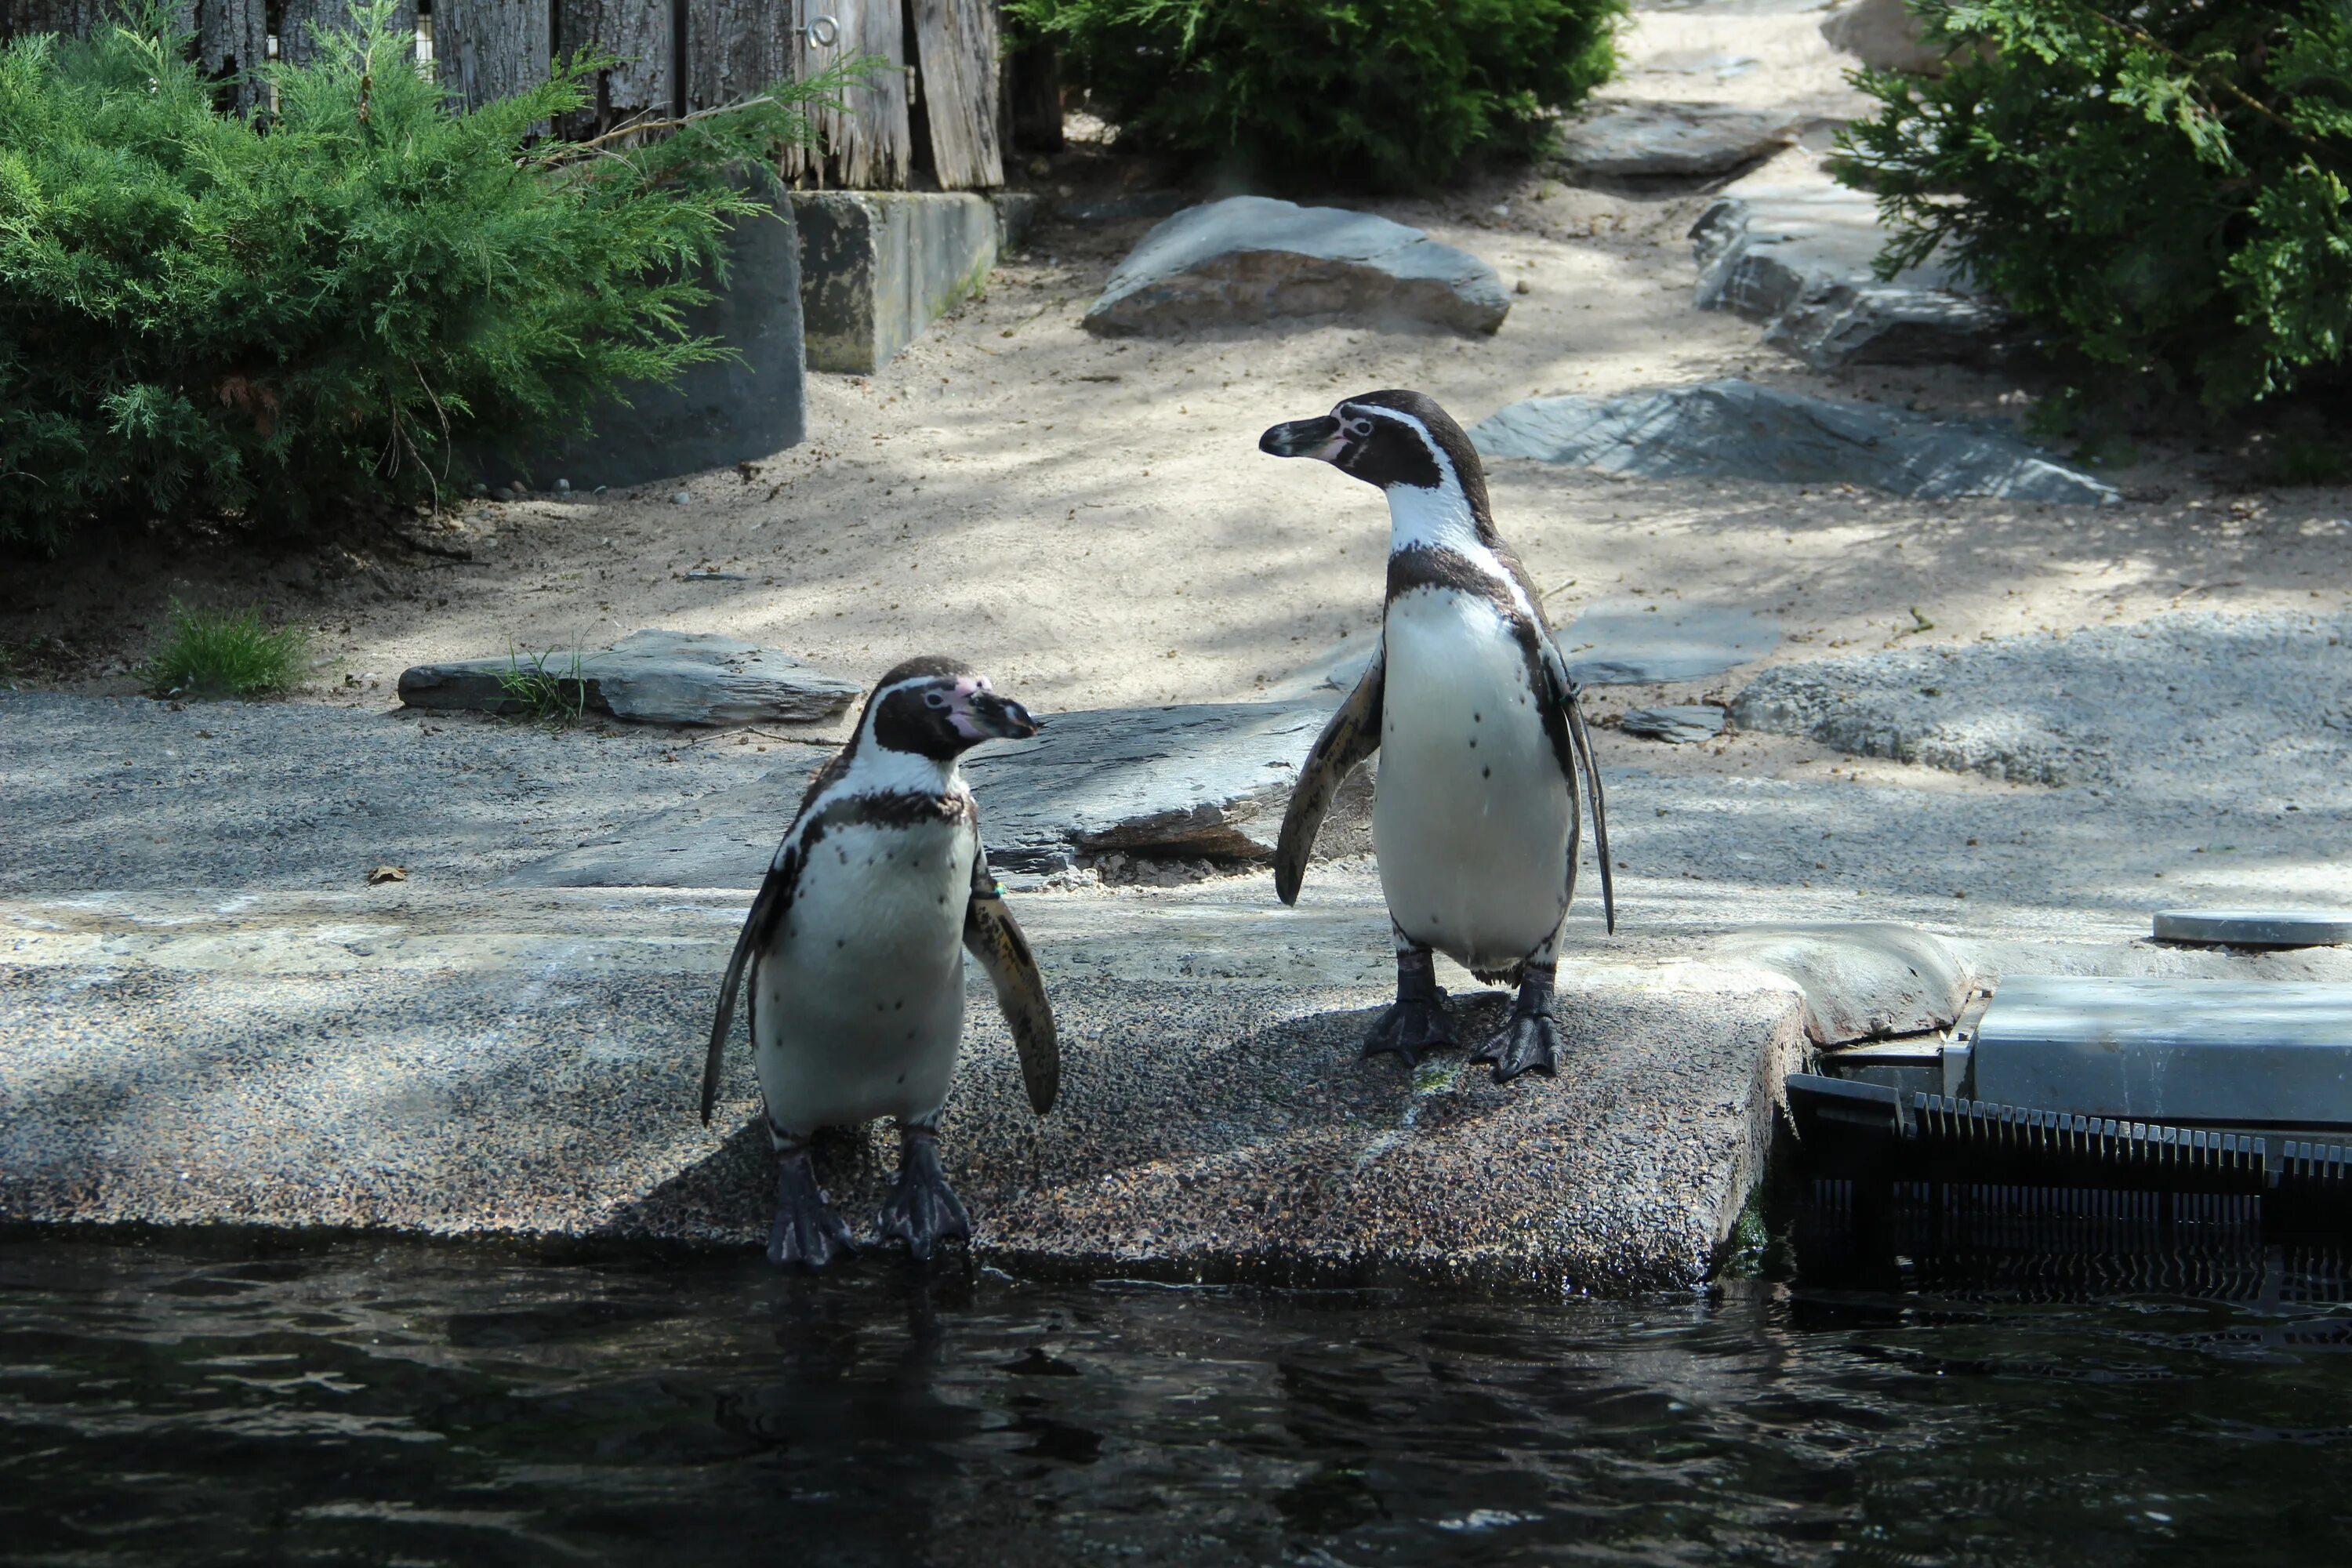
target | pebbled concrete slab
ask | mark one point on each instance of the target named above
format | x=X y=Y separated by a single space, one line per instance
x=2257 y=699
x=526 y=1065
x=1735 y=429
x=648 y=677
x=1253 y=260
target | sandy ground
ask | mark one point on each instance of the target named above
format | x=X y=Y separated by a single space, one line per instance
x=1091 y=521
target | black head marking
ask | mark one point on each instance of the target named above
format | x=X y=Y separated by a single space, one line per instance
x=1390 y=438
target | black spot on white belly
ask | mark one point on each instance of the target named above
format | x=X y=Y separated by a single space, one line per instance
x=1486 y=772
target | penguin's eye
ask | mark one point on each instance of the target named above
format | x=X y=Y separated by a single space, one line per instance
x=1359 y=428
x=935 y=698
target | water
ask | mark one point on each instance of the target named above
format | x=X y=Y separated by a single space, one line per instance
x=233 y=1401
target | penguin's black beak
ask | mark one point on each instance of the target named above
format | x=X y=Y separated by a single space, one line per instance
x=1304 y=438
x=1000 y=718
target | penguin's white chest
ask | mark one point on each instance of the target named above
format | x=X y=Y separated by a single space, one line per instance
x=1470 y=815
x=859 y=1003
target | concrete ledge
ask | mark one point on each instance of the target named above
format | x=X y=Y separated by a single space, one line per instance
x=525 y=1065
x=717 y=412
x=878 y=267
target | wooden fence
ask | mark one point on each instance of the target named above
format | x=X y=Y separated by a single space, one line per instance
x=929 y=121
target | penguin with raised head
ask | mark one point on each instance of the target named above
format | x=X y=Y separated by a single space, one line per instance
x=854 y=950
x=1480 y=730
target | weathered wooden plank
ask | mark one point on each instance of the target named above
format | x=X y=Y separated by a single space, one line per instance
x=638 y=32
x=231 y=35
x=488 y=49
x=735 y=48
x=871 y=146
x=955 y=50
x=298 y=17
x=74 y=18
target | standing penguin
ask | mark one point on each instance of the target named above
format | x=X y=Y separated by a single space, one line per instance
x=854 y=953
x=1481 y=733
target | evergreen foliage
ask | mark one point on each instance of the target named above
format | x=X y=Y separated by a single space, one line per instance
x=204 y=317
x=2162 y=187
x=1366 y=93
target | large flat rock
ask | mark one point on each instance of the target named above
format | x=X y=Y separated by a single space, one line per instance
x=1206 y=780
x=1737 y=430
x=1798 y=255
x=647 y=678
x=1253 y=261
x=1665 y=139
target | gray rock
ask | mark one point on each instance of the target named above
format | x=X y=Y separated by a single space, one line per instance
x=1884 y=34
x=1677 y=726
x=2255 y=928
x=1210 y=780
x=1662 y=139
x=1798 y=258
x=1737 y=430
x=1862 y=980
x=653 y=678
x=2186 y=712
x=1251 y=259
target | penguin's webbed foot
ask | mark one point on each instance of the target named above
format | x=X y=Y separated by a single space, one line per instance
x=1528 y=1043
x=1412 y=1028
x=922 y=1210
x=806 y=1234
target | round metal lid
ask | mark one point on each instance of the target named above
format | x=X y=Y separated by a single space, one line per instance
x=2255 y=928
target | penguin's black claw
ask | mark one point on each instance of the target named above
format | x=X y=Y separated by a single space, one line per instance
x=922 y=1210
x=1412 y=1028
x=1528 y=1043
x=806 y=1233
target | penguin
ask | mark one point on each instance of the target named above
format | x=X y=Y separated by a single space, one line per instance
x=853 y=954
x=1481 y=733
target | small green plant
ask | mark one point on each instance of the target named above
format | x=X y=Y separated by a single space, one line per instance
x=2164 y=187
x=1358 y=93
x=312 y=311
x=555 y=698
x=228 y=654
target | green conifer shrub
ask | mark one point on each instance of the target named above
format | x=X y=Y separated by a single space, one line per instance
x=205 y=317
x=1362 y=93
x=2161 y=187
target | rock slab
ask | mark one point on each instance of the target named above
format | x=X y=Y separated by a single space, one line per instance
x=1737 y=430
x=1250 y=260
x=1206 y=780
x=1799 y=256
x=1664 y=139
x=1680 y=725
x=651 y=677
x=2255 y=928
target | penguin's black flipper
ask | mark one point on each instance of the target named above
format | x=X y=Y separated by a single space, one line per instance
x=1568 y=698
x=994 y=937
x=1352 y=734
x=774 y=898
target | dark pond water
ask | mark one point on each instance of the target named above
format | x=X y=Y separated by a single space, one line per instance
x=349 y=1403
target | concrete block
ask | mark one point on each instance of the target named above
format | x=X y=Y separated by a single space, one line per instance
x=878 y=267
x=718 y=412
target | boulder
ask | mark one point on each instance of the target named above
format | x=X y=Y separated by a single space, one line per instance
x=649 y=678
x=1207 y=780
x=1248 y=261
x=1682 y=725
x=1663 y=139
x=1798 y=255
x=1737 y=430
x=1884 y=34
